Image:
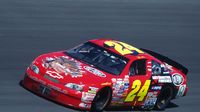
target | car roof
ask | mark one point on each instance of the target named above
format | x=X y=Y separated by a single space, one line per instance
x=119 y=46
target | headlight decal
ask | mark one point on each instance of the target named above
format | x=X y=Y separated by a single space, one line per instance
x=74 y=86
x=34 y=68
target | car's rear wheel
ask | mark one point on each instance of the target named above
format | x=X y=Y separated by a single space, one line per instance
x=101 y=100
x=164 y=98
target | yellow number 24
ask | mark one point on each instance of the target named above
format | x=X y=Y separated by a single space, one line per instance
x=135 y=88
x=122 y=47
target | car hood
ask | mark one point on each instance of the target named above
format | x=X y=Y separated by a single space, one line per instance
x=62 y=68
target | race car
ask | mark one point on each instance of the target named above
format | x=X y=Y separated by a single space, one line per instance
x=103 y=73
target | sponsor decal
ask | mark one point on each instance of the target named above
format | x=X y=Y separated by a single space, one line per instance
x=116 y=98
x=64 y=65
x=54 y=74
x=93 y=90
x=117 y=101
x=87 y=97
x=166 y=69
x=181 y=91
x=120 y=89
x=120 y=86
x=94 y=71
x=177 y=79
x=162 y=79
x=150 y=100
x=156 y=88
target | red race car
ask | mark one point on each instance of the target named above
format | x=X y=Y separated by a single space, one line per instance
x=106 y=72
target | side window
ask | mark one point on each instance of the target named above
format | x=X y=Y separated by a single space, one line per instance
x=138 y=67
x=156 y=68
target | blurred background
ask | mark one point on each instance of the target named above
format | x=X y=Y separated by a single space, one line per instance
x=29 y=28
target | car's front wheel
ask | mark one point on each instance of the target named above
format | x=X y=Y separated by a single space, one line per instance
x=164 y=98
x=101 y=100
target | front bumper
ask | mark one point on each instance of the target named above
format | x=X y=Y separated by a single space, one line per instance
x=55 y=92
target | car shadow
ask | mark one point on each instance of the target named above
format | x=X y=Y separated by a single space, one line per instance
x=171 y=104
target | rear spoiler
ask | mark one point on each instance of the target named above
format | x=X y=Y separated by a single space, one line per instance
x=167 y=60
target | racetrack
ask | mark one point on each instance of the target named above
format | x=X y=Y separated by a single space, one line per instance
x=29 y=28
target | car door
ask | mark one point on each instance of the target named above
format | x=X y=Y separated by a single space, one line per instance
x=140 y=80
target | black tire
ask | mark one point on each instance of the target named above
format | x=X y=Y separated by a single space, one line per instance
x=101 y=100
x=164 y=98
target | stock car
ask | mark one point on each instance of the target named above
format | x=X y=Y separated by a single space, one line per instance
x=103 y=73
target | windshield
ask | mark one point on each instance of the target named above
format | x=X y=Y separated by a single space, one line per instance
x=99 y=57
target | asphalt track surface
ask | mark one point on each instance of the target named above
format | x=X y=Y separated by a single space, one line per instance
x=29 y=28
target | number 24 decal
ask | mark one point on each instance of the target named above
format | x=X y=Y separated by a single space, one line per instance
x=122 y=47
x=135 y=88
